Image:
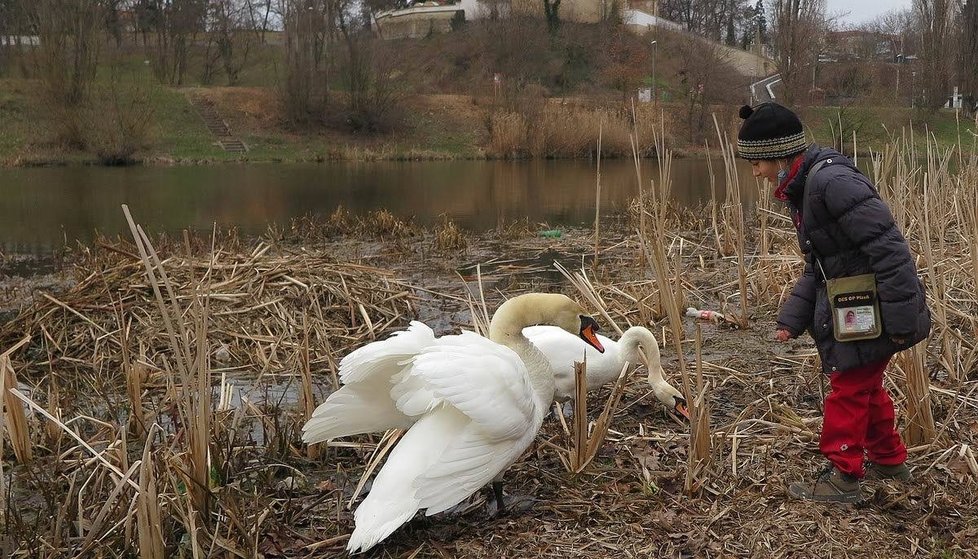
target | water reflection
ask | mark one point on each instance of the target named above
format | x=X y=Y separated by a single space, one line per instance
x=43 y=208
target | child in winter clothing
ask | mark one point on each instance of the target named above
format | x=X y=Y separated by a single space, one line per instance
x=844 y=230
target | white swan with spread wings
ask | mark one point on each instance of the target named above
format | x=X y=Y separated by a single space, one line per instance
x=471 y=406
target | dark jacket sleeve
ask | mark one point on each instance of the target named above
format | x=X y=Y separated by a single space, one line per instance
x=797 y=311
x=868 y=223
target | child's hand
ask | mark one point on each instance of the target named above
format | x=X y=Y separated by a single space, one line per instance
x=782 y=335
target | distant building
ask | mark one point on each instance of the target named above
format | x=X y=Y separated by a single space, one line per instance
x=858 y=44
x=19 y=41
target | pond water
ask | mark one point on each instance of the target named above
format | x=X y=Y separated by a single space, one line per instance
x=45 y=207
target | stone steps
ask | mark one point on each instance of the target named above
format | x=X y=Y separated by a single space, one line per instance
x=217 y=126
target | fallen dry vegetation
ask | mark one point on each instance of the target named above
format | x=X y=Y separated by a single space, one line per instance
x=130 y=453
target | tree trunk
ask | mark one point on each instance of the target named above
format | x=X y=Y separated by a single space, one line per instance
x=550 y=10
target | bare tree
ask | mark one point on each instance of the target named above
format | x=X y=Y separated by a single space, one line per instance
x=967 y=67
x=626 y=62
x=67 y=56
x=227 y=39
x=307 y=24
x=937 y=47
x=174 y=25
x=704 y=77
x=720 y=20
x=551 y=9
x=798 y=27
x=260 y=17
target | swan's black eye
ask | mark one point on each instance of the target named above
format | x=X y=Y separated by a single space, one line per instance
x=587 y=321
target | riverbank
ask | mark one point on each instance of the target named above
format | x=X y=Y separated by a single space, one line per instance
x=434 y=127
x=289 y=305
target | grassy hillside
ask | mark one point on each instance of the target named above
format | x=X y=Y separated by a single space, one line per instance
x=554 y=96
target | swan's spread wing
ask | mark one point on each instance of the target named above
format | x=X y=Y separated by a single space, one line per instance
x=360 y=407
x=385 y=357
x=364 y=403
x=486 y=381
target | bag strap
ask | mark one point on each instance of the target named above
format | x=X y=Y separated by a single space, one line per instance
x=813 y=170
x=808 y=181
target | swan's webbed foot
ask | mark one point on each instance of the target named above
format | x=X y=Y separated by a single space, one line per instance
x=567 y=409
x=500 y=505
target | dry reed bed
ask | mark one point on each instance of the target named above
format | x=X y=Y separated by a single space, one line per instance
x=552 y=130
x=103 y=367
x=640 y=495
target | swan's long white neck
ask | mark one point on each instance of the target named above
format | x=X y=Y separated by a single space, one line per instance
x=637 y=341
x=506 y=328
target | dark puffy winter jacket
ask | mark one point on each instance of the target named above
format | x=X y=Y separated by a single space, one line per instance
x=842 y=220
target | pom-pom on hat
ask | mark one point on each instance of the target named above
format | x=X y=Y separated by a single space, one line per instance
x=770 y=131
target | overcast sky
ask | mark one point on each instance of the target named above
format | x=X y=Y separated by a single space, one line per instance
x=860 y=11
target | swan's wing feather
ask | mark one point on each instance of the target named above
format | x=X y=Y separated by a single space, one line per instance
x=385 y=357
x=469 y=463
x=364 y=403
x=486 y=381
x=362 y=407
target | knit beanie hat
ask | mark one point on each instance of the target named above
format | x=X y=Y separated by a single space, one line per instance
x=769 y=131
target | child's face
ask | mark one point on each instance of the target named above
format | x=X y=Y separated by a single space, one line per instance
x=766 y=168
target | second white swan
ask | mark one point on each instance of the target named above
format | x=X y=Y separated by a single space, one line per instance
x=563 y=349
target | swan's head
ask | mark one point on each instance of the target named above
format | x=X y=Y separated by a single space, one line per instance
x=570 y=316
x=671 y=398
x=544 y=308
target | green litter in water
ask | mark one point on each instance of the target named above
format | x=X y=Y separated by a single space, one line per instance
x=552 y=233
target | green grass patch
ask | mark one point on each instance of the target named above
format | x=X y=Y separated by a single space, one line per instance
x=876 y=126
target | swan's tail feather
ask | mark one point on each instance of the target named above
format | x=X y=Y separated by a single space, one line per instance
x=353 y=410
x=392 y=501
x=374 y=523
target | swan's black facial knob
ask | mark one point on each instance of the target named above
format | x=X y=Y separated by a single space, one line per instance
x=589 y=330
x=680 y=407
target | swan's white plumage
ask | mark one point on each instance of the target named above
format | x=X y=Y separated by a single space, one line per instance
x=471 y=407
x=563 y=349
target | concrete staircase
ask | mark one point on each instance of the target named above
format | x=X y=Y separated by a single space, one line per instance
x=217 y=126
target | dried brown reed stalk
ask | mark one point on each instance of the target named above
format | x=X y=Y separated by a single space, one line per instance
x=584 y=443
x=578 y=455
x=642 y=227
x=307 y=398
x=934 y=219
x=734 y=210
x=54 y=408
x=580 y=281
x=14 y=418
x=381 y=450
x=448 y=236
x=96 y=455
x=698 y=453
x=149 y=527
x=920 y=428
x=193 y=367
x=766 y=279
x=136 y=375
x=700 y=443
x=597 y=203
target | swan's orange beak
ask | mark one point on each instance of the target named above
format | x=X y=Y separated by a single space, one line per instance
x=681 y=408
x=589 y=333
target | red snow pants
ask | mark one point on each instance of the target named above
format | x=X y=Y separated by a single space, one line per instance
x=859 y=418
